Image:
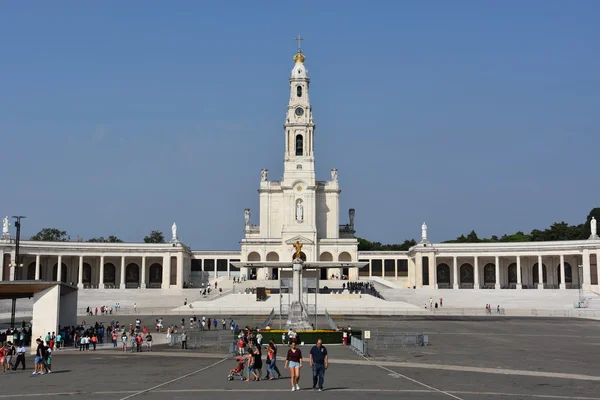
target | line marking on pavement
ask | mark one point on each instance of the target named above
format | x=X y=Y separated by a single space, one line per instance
x=265 y=390
x=174 y=380
x=420 y=383
x=414 y=380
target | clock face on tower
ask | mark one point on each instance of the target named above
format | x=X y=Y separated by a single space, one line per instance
x=299 y=111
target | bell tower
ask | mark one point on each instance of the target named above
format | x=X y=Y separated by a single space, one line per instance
x=299 y=127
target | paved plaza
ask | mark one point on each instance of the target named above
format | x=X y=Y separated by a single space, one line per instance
x=469 y=358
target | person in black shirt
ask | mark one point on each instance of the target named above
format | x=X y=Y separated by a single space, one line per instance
x=319 y=362
x=257 y=363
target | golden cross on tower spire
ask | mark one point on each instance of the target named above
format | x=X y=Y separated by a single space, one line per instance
x=298 y=39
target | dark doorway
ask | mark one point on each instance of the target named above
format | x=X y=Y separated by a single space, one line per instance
x=324 y=273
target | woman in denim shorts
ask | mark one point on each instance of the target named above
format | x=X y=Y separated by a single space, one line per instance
x=294 y=362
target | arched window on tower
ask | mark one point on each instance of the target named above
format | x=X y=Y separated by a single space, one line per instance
x=299 y=145
x=299 y=91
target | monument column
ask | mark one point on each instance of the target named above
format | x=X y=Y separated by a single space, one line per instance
x=101 y=277
x=122 y=281
x=143 y=285
x=455 y=272
x=562 y=272
x=80 y=273
x=497 y=265
x=519 y=284
x=59 y=269
x=540 y=272
x=587 y=274
x=37 y=267
x=476 y=272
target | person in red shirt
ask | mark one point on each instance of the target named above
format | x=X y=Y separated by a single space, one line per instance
x=294 y=362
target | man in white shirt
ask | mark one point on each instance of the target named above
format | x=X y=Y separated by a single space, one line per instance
x=20 y=356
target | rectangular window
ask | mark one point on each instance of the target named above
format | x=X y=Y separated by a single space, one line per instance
x=389 y=267
x=209 y=265
x=196 y=265
x=425 y=262
x=222 y=265
x=402 y=267
x=364 y=271
x=173 y=271
x=376 y=267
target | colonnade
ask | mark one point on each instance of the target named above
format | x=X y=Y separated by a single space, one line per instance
x=100 y=270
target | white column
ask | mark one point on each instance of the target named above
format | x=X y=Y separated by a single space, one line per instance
x=396 y=269
x=179 y=270
x=598 y=265
x=166 y=271
x=80 y=277
x=519 y=284
x=122 y=281
x=562 y=272
x=476 y=273
x=228 y=270
x=587 y=273
x=370 y=268
x=540 y=273
x=101 y=277
x=432 y=269
x=59 y=269
x=143 y=284
x=497 y=264
x=216 y=270
x=2 y=266
x=37 y=267
x=455 y=272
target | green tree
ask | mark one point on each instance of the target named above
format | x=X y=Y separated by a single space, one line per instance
x=101 y=239
x=155 y=237
x=51 y=235
x=366 y=245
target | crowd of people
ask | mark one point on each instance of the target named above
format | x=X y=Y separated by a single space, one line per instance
x=362 y=287
x=251 y=349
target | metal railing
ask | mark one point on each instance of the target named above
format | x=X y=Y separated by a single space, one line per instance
x=359 y=346
x=267 y=321
x=330 y=320
x=196 y=341
x=394 y=340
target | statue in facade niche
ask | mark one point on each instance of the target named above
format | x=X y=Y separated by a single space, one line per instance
x=264 y=173
x=299 y=212
x=5 y=226
x=174 y=231
x=351 y=216
x=247 y=217
x=334 y=176
x=424 y=232
x=593 y=227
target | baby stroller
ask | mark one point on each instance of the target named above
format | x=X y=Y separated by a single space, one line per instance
x=237 y=371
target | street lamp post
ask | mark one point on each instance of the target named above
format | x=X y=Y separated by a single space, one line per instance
x=16 y=265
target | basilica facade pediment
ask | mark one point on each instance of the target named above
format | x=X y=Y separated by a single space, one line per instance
x=300 y=239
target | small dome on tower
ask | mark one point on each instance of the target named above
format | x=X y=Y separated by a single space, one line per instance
x=299 y=71
x=299 y=57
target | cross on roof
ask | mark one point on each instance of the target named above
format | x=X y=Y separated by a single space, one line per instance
x=299 y=38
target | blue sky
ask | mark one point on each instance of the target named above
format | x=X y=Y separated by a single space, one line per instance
x=117 y=118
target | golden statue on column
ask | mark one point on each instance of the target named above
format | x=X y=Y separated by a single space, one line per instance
x=298 y=247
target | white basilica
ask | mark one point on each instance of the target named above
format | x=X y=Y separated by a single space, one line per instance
x=300 y=208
